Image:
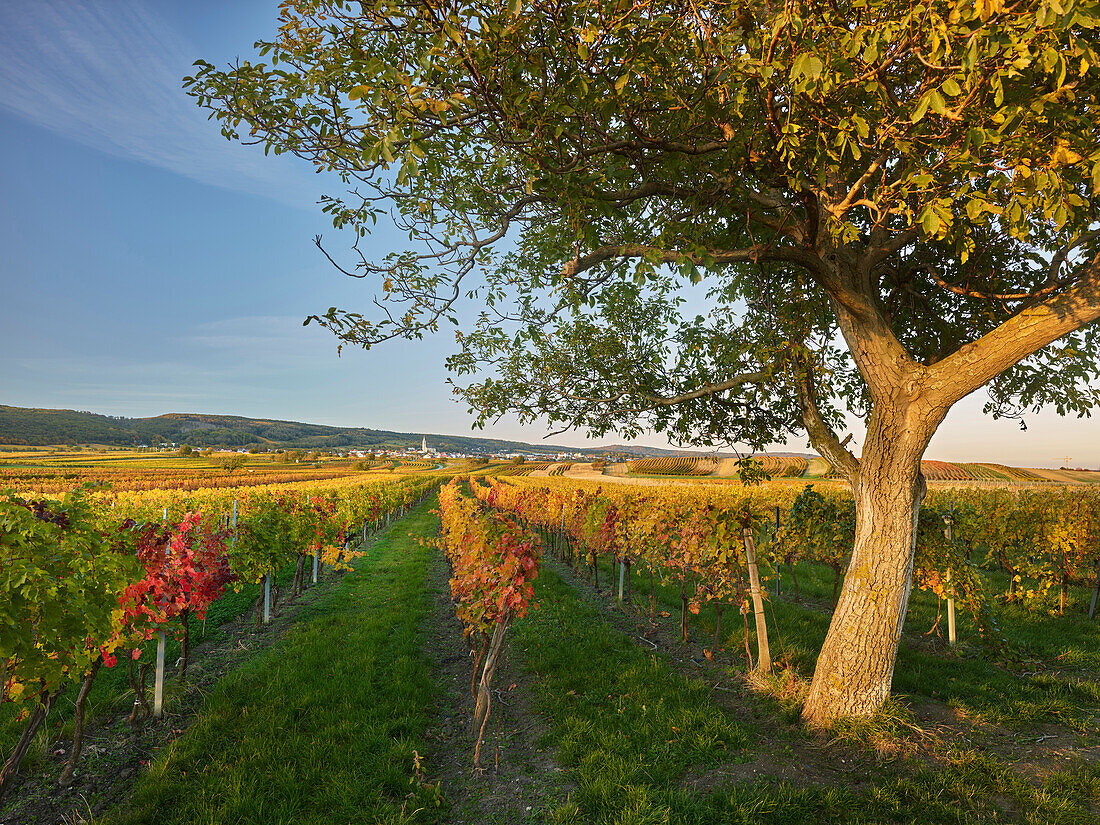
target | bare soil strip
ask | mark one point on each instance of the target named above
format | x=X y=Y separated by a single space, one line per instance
x=525 y=778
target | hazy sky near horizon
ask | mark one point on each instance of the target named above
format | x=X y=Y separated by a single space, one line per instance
x=151 y=266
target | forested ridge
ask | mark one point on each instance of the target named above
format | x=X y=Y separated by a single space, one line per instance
x=22 y=425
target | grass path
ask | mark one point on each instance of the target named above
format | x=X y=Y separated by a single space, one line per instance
x=635 y=734
x=326 y=726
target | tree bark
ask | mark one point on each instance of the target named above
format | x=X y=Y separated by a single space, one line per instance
x=484 y=698
x=66 y=777
x=683 y=608
x=141 y=710
x=299 y=578
x=856 y=666
x=794 y=578
x=652 y=597
x=34 y=722
x=479 y=656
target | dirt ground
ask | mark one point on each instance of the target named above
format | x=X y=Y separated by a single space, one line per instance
x=521 y=775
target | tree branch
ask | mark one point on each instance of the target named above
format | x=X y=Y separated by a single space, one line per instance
x=709 y=389
x=1025 y=333
x=821 y=435
x=752 y=254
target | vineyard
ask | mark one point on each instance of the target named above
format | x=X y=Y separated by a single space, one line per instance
x=91 y=578
x=524 y=469
x=656 y=619
x=687 y=466
x=778 y=467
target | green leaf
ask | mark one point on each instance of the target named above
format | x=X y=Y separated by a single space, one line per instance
x=930 y=221
x=814 y=67
x=922 y=107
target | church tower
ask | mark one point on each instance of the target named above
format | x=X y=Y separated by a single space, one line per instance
x=424 y=444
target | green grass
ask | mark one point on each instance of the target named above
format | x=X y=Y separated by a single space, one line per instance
x=628 y=729
x=1058 y=654
x=621 y=719
x=324 y=727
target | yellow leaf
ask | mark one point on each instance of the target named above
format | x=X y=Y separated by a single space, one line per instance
x=1063 y=155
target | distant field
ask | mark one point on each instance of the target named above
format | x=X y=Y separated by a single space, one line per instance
x=57 y=471
x=781 y=467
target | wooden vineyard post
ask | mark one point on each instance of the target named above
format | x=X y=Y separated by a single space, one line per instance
x=622 y=577
x=158 y=683
x=267 y=598
x=763 y=652
x=949 y=534
x=316 y=554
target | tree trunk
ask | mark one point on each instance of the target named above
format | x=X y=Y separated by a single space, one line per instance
x=794 y=579
x=66 y=777
x=683 y=608
x=34 y=722
x=479 y=656
x=484 y=699
x=856 y=666
x=299 y=578
x=141 y=710
x=652 y=597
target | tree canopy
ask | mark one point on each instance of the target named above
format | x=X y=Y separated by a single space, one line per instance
x=727 y=221
x=576 y=164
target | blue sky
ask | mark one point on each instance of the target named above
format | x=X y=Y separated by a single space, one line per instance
x=151 y=266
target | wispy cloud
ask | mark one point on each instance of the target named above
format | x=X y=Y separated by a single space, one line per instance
x=107 y=74
x=263 y=339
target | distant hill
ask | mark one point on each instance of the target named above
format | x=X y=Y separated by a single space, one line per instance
x=26 y=426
